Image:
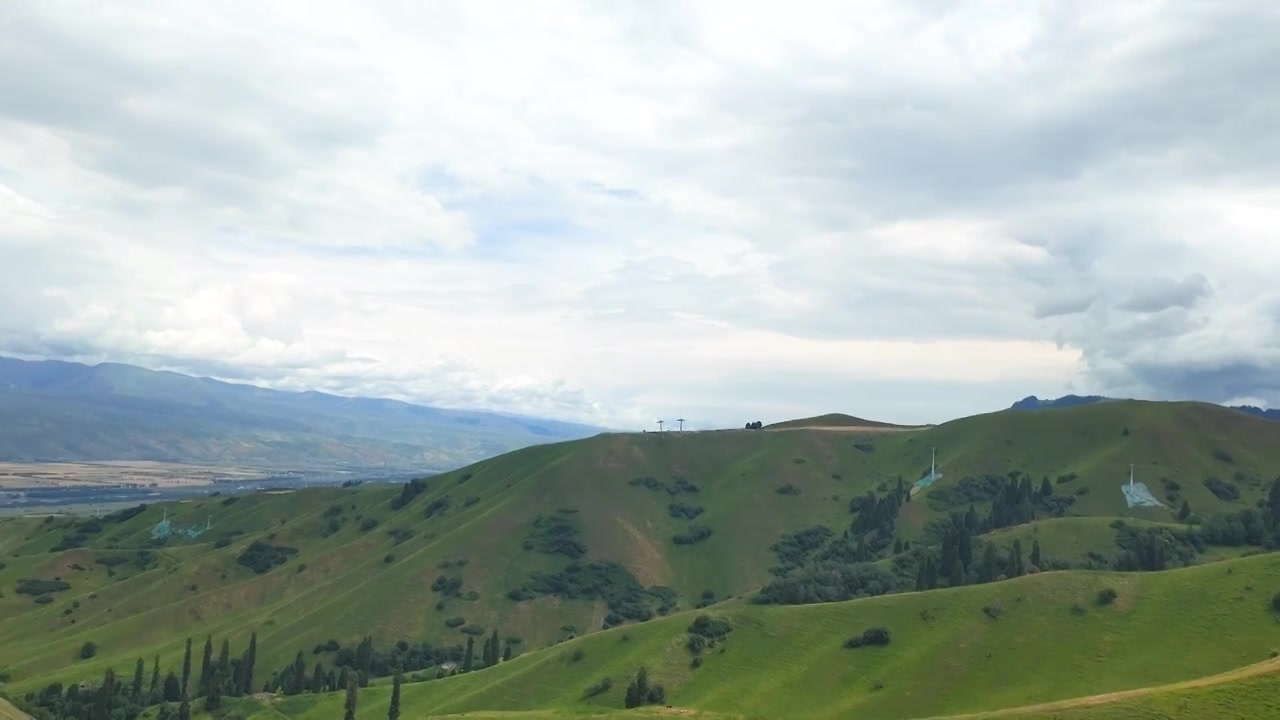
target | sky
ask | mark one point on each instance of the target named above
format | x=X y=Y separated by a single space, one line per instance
x=617 y=212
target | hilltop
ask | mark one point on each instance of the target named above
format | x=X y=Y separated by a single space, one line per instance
x=1032 y=402
x=113 y=411
x=564 y=539
x=836 y=420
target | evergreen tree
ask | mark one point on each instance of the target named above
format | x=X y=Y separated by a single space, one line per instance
x=206 y=665
x=213 y=697
x=638 y=690
x=104 y=698
x=350 y=713
x=224 y=664
x=1046 y=489
x=1184 y=512
x=298 y=683
x=393 y=712
x=506 y=653
x=135 y=692
x=469 y=658
x=153 y=695
x=184 y=710
x=250 y=661
x=990 y=563
x=317 y=679
x=1273 y=504
x=1035 y=553
x=172 y=688
x=344 y=679
x=1016 y=568
x=186 y=666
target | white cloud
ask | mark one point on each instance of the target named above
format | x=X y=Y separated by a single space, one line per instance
x=615 y=213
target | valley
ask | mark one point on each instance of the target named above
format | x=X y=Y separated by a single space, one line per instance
x=749 y=571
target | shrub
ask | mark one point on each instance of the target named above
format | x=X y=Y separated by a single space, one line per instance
x=577 y=655
x=261 y=556
x=388 y=558
x=994 y=610
x=878 y=636
x=787 y=489
x=1275 y=602
x=473 y=630
x=865 y=446
x=1107 y=596
x=1223 y=456
x=368 y=524
x=88 y=650
x=682 y=511
x=1077 y=609
x=455 y=622
x=710 y=627
x=228 y=502
x=599 y=688
x=696 y=663
x=1221 y=489
x=695 y=534
x=37 y=586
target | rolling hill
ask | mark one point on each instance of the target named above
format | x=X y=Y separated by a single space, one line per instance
x=562 y=539
x=835 y=420
x=1032 y=402
x=950 y=653
x=54 y=411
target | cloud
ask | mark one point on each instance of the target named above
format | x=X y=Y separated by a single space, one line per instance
x=618 y=213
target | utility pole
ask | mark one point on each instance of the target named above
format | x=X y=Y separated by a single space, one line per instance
x=660 y=425
x=681 y=421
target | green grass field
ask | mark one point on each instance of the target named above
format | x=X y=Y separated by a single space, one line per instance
x=947 y=656
x=352 y=580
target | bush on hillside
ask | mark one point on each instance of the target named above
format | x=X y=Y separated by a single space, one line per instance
x=1222 y=489
x=994 y=609
x=787 y=489
x=408 y=492
x=1107 y=596
x=829 y=582
x=88 y=650
x=695 y=534
x=877 y=636
x=555 y=535
x=599 y=688
x=710 y=627
x=38 y=586
x=608 y=581
x=261 y=556
x=1275 y=602
x=794 y=548
x=682 y=511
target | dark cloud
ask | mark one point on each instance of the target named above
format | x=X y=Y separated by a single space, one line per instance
x=1158 y=294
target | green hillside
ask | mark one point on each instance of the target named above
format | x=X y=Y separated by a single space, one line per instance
x=558 y=540
x=832 y=420
x=948 y=655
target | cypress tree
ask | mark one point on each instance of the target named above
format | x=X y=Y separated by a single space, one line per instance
x=506 y=653
x=317 y=679
x=250 y=660
x=135 y=692
x=172 y=688
x=990 y=563
x=206 y=664
x=299 y=681
x=213 y=698
x=102 y=701
x=153 y=695
x=186 y=667
x=1046 y=489
x=344 y=678
x=224 y=664
x=1184 y=512
x=469 y=658
x=184 y=710
x=350 y=713
x=1016 y=568
x=1035 y=553
x=393 y=712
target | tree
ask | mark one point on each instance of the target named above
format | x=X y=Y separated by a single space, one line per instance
x=1016 y=568
x=88 y=650
x=102 y=700
x=495 y=652
x=638 y=690
x=317 y=679
x=393 y=712
x=350 y=707
x=469 y=658
x=172 y=688
x=206 y=664
x=186 y=667
x=298 y=682
x=990 y=563
x=1045 y=488
x=223 y=670
x=213 y=697
x=1273 y=503
x=135 y=692
x=153 y=696
x=1035 y=553
x=184 y=710
x=506 y=653
x=250 y=660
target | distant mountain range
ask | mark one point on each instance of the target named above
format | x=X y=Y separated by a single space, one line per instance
x=54 y=410
x=1034 y=403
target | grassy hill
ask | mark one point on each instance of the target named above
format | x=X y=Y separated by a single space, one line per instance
x=112 y=411
x=948 y=655
x=831 y=420
x=367 y=565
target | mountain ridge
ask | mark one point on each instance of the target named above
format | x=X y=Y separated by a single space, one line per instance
x=1032 y=402
x=55 y=410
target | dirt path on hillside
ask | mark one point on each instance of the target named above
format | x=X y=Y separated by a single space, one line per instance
x=1263 y=668
x=9 y=712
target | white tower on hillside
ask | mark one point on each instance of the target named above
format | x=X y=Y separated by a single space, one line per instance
x=1130 y=474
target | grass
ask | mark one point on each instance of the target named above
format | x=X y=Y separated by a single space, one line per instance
x=947 y=656
x=347 y=590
